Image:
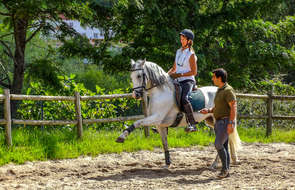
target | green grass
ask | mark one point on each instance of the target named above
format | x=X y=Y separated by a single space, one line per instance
x=252 y=135
x=36 y=144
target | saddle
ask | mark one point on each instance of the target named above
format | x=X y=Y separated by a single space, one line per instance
x=196 y=98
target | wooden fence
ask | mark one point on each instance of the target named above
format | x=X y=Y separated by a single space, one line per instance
x=7 y=121
x=269 y=117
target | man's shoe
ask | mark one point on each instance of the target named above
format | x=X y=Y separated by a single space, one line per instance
x=223 y=174
x=190 y=128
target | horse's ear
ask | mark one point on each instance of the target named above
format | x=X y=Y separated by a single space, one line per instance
x=142 y=63
x=132 y=62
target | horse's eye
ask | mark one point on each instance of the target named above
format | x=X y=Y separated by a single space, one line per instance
x=138 y=76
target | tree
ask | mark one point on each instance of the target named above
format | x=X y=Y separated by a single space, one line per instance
x=22 y=20
x=253 y=40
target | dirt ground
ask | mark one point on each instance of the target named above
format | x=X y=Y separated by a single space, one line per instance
x=262 y=166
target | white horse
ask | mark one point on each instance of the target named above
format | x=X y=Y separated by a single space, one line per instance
x=150 y=79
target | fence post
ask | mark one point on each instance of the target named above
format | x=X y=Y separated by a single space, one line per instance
x=144 y=108
x=269 y=112
x=78 y=114
x=42 y=114
x=7 y=116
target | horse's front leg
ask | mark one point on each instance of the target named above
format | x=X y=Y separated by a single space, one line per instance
x=163 y=133
x=154 y=119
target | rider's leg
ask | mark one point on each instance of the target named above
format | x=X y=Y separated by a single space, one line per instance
x=187 y=107
x=190 y=118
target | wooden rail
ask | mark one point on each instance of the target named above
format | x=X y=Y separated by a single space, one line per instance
x=7 y=121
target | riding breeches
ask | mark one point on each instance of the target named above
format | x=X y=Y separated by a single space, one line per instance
x=187 y=87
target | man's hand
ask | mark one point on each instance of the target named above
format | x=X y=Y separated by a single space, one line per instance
x=230 y=128
x=204 y=111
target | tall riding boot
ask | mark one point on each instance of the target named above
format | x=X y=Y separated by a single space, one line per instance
x=190 y=118
x=225 y=168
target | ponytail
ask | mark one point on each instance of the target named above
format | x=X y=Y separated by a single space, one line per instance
x=190 y=45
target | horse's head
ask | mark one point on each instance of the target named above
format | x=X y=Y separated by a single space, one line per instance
x=145 y=76
x=138 y=77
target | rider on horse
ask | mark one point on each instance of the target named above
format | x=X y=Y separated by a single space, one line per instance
x=183 y=71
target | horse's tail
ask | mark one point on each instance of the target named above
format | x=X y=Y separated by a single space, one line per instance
x=235 y=143
x=234 y=140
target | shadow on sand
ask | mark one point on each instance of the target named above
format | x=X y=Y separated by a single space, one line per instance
x=148 y=173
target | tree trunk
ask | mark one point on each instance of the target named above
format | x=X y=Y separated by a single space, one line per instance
x=20 y=31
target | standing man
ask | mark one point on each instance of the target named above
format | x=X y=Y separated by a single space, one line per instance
x=224 y=111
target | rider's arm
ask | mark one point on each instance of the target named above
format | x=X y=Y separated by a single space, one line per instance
x=173 y=69
x=193 y=65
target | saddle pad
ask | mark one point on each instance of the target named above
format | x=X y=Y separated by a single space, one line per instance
x=197 y=99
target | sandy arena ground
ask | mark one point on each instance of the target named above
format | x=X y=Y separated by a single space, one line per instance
x=262 y=166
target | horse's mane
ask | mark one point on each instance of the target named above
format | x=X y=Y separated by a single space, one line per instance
x=156 y=74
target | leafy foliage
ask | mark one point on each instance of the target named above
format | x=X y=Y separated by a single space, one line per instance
x=62 y=110
x=253 y=40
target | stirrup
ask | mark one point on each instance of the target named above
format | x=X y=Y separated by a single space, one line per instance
x=190 y=128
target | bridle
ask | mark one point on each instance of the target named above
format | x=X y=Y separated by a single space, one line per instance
x=143 y=86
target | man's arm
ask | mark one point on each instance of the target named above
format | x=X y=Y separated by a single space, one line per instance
x=232 y=116
x=233 y=110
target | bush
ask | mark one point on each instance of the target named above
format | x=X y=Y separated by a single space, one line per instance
x=64 y=110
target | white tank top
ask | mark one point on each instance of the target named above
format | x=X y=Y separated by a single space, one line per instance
x=183 y=64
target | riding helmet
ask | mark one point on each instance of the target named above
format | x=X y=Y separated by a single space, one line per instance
x=187 y=33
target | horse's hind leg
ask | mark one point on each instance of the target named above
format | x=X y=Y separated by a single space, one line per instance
x=215 y=163
x=163 y=133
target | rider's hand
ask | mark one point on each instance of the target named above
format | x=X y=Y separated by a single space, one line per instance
x=175 y=75
x=204 y=111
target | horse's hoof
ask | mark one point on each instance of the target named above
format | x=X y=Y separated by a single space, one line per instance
x=236 y=162
x=213 y=167
x=120 y=140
